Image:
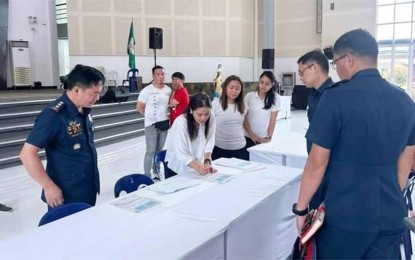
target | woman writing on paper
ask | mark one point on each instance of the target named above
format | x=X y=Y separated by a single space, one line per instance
x=262 y=111
x=229 y=115
x=192 y=139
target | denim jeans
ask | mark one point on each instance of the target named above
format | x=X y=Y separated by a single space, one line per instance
x=155 y=140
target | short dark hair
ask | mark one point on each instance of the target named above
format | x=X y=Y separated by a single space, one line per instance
x=178 y=75
x=359 y=42
x=239 y=101
x=156 y=68
x=197 y=101
x=317 y=57
x=84 y=77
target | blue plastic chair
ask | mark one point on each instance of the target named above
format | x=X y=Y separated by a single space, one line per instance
x=62 y=211
x=159 y=158
x=131 y=183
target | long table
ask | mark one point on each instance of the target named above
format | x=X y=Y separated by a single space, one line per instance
x=289 y=149
x=257 y=206
x=248 y=217
x=108 y=232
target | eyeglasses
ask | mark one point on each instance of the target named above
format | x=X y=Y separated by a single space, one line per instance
x=301 y=72
x=333 y=63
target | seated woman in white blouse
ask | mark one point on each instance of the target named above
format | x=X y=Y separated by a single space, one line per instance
x=192 y=138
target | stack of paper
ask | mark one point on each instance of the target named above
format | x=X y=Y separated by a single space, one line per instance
x=173 y=184
x=136 y=203
x=243 y=165
x=218 y=178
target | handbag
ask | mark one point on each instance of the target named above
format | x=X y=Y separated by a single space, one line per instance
x=162 y=125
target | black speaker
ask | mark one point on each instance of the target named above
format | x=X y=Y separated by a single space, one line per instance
x=300 y=96
x=268 y=58
x=156 y=38
x=113 y=94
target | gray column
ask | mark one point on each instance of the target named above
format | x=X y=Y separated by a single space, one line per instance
x=269 y=8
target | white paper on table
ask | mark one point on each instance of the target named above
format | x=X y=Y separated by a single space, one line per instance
x=174 y=184
x=243 y=165
x=218 y=177
x=136 y=203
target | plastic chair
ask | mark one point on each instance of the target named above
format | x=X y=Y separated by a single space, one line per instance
x=62 y=211
x=131 y=183
x=160 y=158
x=112 y=78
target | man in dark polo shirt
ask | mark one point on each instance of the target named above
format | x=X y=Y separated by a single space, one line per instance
x=313 y=69
x=363 y=135
x=65 y=130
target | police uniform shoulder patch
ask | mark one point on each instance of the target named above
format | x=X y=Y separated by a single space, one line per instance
x=338 y=83
x=58 y=106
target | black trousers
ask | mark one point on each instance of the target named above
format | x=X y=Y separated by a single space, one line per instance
x=169 y=172
x=240 y=153
x=249 y=142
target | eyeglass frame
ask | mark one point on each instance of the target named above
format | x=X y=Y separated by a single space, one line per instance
x=301 y=72
x=333 y=63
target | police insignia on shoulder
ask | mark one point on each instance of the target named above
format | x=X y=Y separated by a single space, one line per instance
x=58 y=106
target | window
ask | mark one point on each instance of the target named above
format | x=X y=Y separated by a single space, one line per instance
x=396 y=38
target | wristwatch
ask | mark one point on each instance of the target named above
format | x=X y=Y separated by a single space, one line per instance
x=299 y=212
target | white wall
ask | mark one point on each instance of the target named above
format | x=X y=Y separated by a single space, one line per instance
x=42 y=37
x=195 y=69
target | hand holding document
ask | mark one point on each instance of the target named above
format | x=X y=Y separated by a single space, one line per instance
x=173 y=184
x=243 y=165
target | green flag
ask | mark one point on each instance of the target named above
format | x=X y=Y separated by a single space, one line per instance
x=130 y=47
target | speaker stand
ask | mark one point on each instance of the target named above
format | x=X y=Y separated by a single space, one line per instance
x=155 y=57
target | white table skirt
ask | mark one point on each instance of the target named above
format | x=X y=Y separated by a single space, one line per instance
x=287 y=150
x=108 y=232
x=257 y=206
x=285 y=111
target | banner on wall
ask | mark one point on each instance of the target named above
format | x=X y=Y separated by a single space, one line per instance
x=131 y=47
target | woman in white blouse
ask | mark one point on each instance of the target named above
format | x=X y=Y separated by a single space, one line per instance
x=229 y=115
x=262 y=111
x=192 y=139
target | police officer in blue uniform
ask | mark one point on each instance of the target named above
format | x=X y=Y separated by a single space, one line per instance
x=363 y=135
x=65 y=130
x=313 y=69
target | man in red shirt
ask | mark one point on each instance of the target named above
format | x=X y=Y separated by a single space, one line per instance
x=179 y=99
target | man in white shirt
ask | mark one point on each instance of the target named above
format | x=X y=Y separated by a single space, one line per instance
x=153 y=103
